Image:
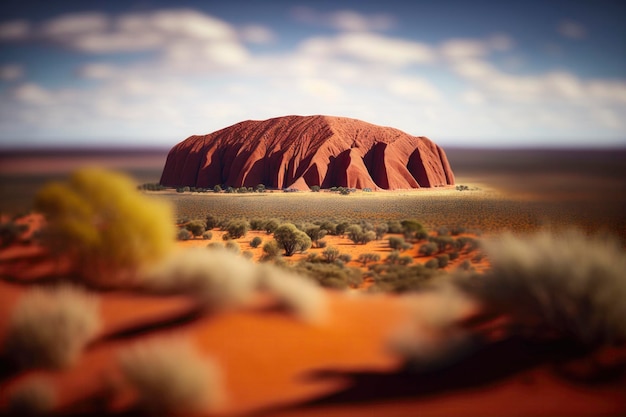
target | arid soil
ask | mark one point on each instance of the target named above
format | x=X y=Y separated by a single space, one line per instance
x=275 y=365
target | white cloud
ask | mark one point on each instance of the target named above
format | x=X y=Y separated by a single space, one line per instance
x=15 y=30
x=257 y=34
x=571 y=29
x=77 y=24
x=32 y=94
x=345 y=20
x=11 y=72
x=416 y=89
x=371 y=48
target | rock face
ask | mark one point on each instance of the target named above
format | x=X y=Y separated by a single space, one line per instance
x=302 y=151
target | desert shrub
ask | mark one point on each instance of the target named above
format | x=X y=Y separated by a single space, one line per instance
x=171 y=377
x=365 y=258
x=257 y=224
x=443 y=260
x=330 y=275
x=345 y=257
x=357 y=235
x=229 y=190
x=107 y=227
x=232 y=246
x=321 y=243
x=183 y=234
x=291 y=239
x=218 y=278
x=467 y=243
x=299 y=295
x=215 y=245
x=420 y=235
x=393 y=257
x=405 y=260
x=237 y=228
x=316 y=233
x=410 y=227
x=260 y=188
x=571 y=284
x=329 y=226
x=271 y=225
x=247 y=254
x=196 y=227
x=217 y=189
x=428 y=249
x=398 y=243
x=256 y=242
x=380 y=229
x=207 y=235
x=443 y=242
x=34 y=397
x=330 y=254
x=211 y=222
x=341 y=227
x=432 y=264
x=271 y=249
x=394 y=226
x=453 y=255
x=50 y=327
x=315 y=188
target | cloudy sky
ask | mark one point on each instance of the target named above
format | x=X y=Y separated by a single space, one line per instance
x=465 y=73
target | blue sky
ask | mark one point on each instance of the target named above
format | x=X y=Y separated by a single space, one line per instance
x=464 y=73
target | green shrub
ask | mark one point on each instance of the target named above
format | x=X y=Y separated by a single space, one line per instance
x=365 y=258
x=207 y=235
x=330 y=254
x=428 y=249
x=380 y=230
x=271 y=249
x=237 y=228
x=256 y=242
x=232 y=246
x=432 y=264
x=196 y=227
x=271 y=225
x=345 y=257
x=316 y=233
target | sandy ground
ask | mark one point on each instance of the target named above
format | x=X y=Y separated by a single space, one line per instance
x=276 y=365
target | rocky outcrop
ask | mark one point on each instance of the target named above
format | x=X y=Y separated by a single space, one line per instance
x=302 y=151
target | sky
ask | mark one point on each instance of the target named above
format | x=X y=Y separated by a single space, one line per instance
x=474 y=73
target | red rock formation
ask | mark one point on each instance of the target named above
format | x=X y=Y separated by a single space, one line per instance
x=302 y=151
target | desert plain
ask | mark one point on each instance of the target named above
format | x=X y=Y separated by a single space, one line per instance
x=273 y=363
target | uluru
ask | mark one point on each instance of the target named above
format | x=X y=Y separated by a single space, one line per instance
x=299 y=152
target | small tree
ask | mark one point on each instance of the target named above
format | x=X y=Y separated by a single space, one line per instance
x=106 y=227
x=291 y=239
x=428 y=249
x=410 y=227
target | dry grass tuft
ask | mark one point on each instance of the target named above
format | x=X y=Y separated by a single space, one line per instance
x=171 y=376
x=51 y=326
x=299 y=295
x=568 y=282
x=218 y=278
